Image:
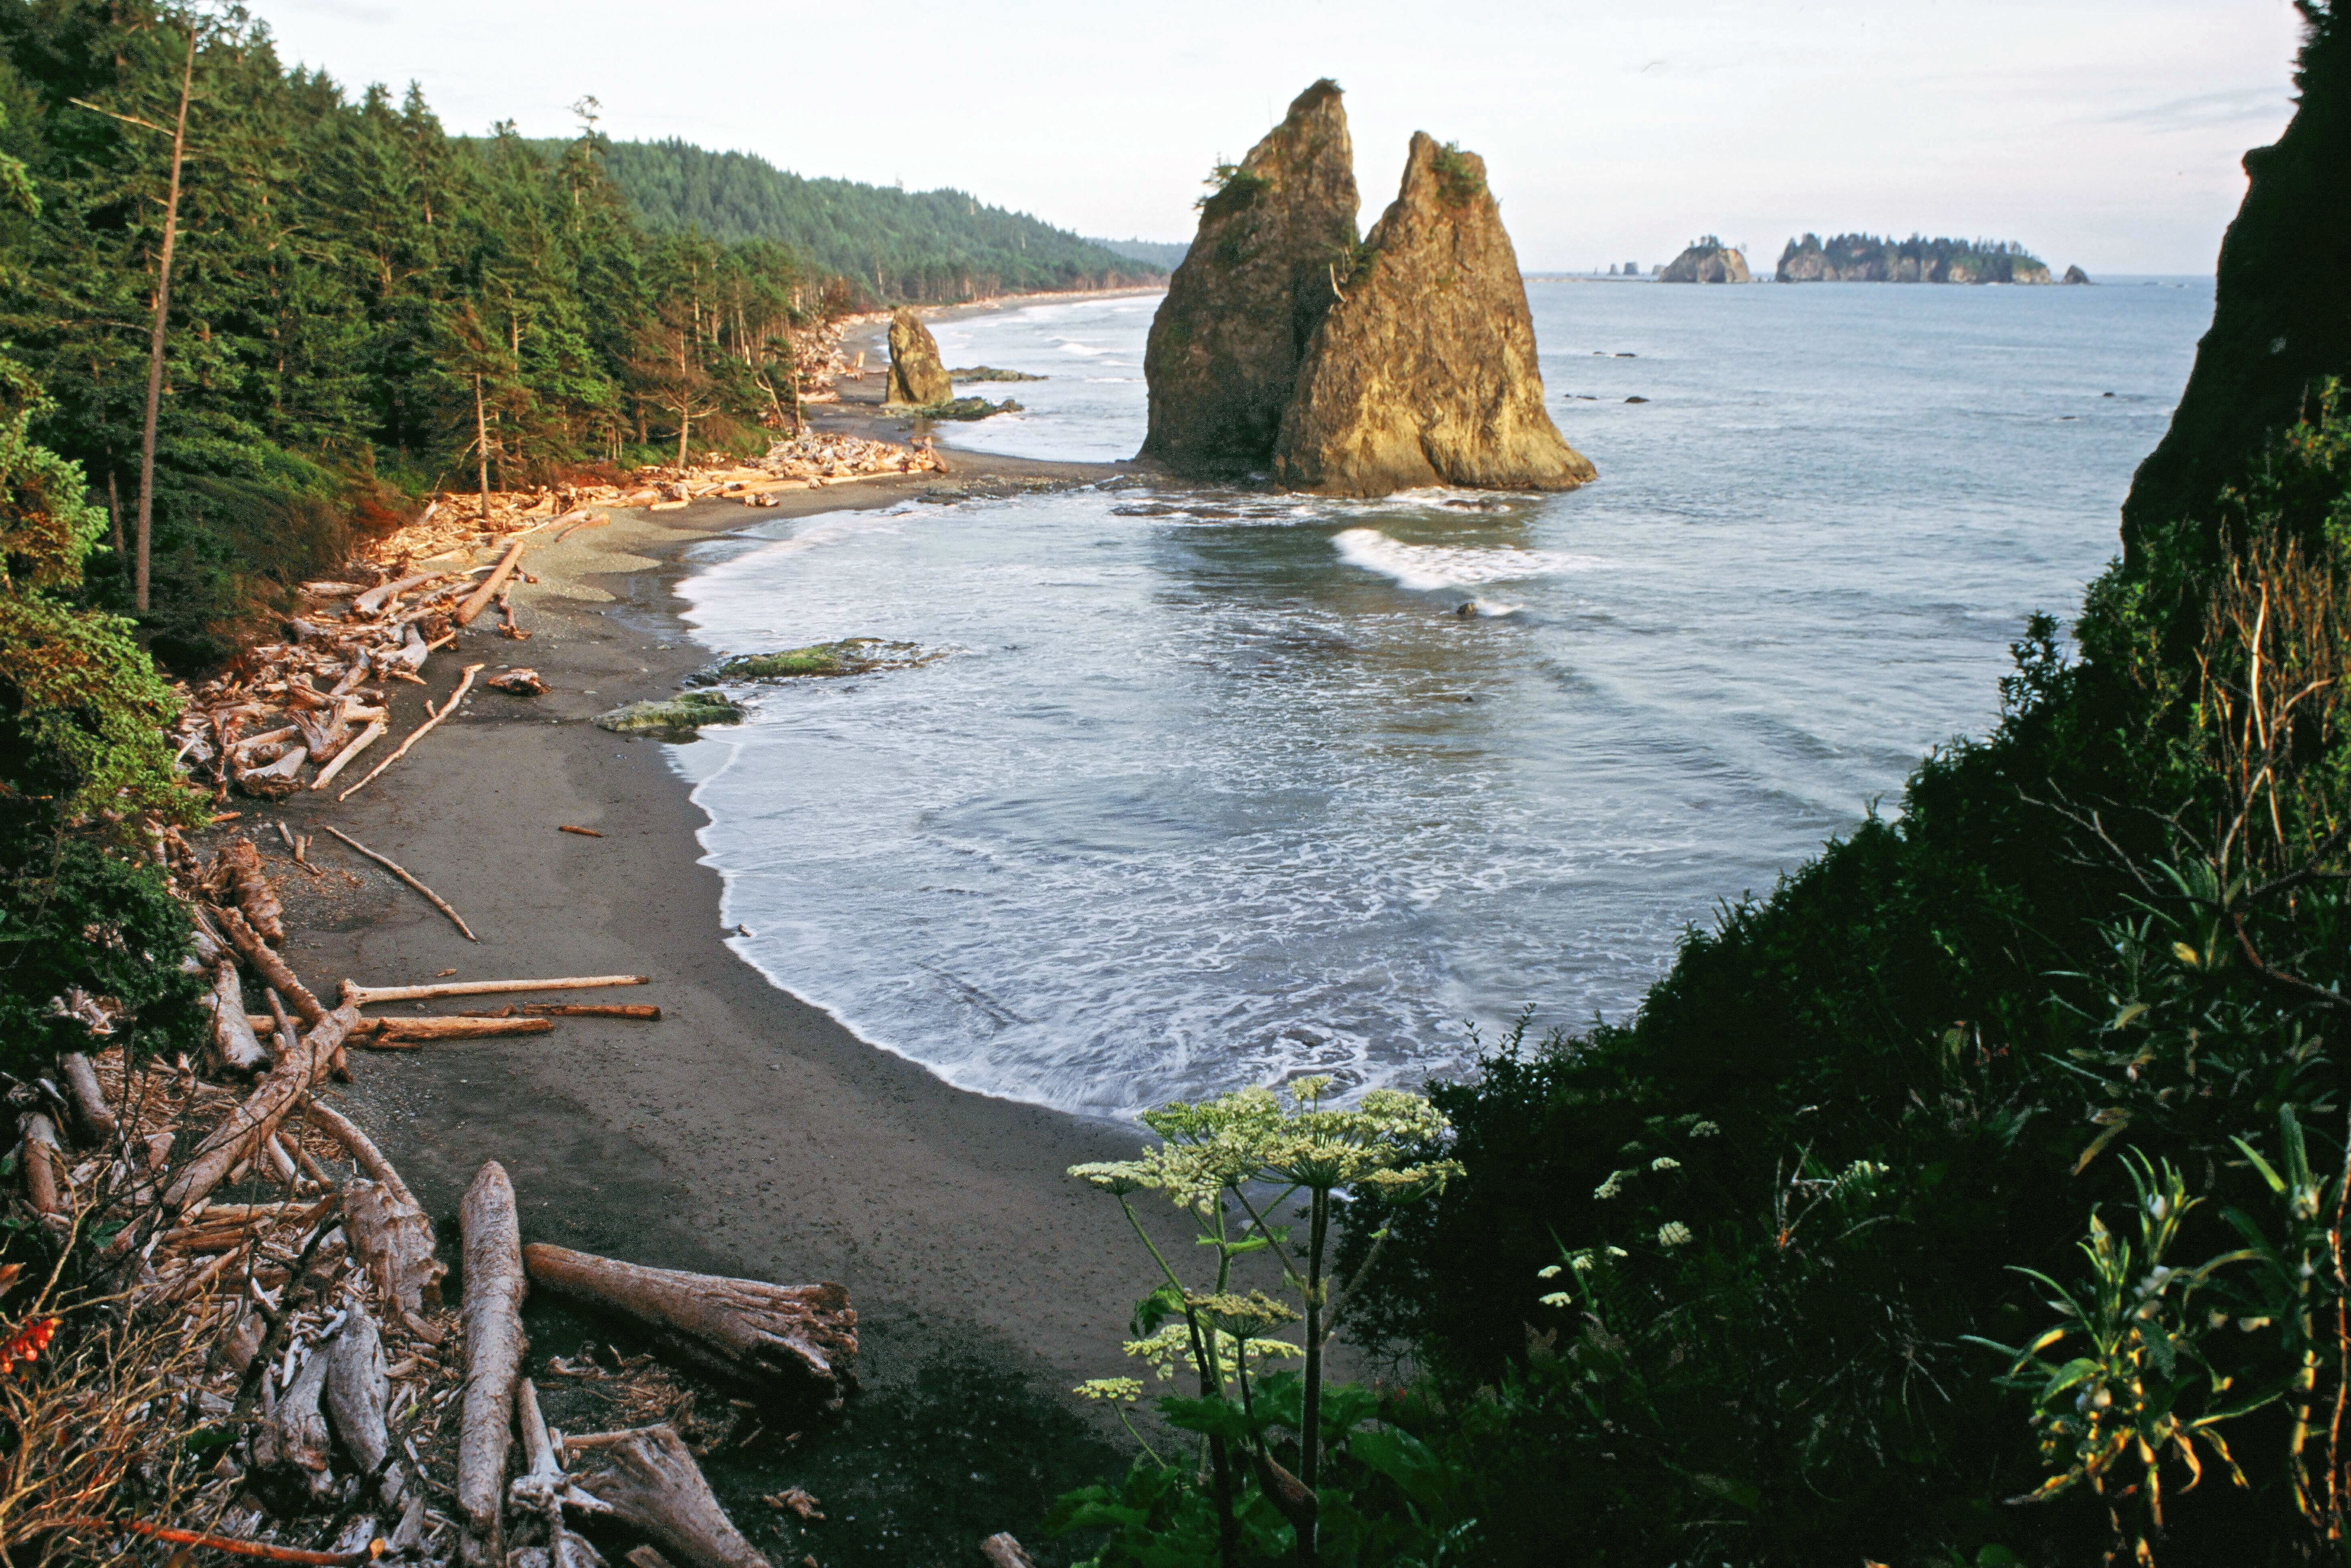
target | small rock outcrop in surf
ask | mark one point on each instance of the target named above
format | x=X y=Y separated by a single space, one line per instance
x=1423 y=372
x=1706 y=261
x=1226 y=343
x=917 y=375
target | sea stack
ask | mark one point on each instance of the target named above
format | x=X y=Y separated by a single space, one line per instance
x=1226 y=344
x=916 y=374
x=1423 y=369
x=1706 y=261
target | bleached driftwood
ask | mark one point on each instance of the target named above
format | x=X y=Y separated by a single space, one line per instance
x=272 y=968
x=367 y=738
x=647 y=1478
x=495 y=1286
x=239 y=868
x=375 y=598
x=420 y=732
x=480 y=598
x=276 y=778
x=799 y=1340
x=242 y=1130
x=357 y=1389
x=401 y=872
x=289 y=1443
x=362 y=1149
x=89 y=1105
x=393 y=1239
x=368 y=996
x=542 y=1487
x=233 y=1037
x=1003 y=1550
x=407 y=1034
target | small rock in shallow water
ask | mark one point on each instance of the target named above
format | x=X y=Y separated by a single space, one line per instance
x=677 y=719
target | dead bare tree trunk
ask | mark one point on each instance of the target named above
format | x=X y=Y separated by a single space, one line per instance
x=242 y=1131
x=801 y=1340
x=482 y=442
x=648 y=1478
x=495 y=1286
x=155 y=338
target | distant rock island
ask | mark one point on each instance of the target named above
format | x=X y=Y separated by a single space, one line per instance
x=1707 y=260
x=1346 y=367
x=1866 y=258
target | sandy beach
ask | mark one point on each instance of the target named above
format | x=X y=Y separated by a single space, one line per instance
x=746 y=1132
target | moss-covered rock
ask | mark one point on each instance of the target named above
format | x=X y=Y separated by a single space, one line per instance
x=849 y=656
x=677 y=719
x=991 y=373
x=917 y=375
x=967 y=408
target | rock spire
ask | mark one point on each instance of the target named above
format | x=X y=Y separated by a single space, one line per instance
x=916 y=374
x=1226 y=343
x=1423 y=370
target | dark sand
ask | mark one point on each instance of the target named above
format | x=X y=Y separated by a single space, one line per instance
x=746 y=1132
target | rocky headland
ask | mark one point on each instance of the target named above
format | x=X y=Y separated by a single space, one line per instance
x=1423 y=370
x=1707 y=260
x=917 y=375
x=1866 y=258
x=1226 y=344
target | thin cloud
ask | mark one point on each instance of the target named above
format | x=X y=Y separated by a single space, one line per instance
x=2209 y=108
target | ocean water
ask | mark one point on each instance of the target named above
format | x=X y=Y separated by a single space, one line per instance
x=1205 y=788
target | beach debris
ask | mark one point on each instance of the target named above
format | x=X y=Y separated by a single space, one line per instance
x=798 y=1502
x=45 y=1180
x=647 y=1477
x=289 y=1444
x=799 y=1340
x=1003 y=1550
x=401 y=872
x=848 y=656
x=583 y=832
x=495 y=1287
x=264 y=961
x=238 y=1135
x=405 y=1034
x=359 y=1389
x=422 y=730
x=235 y=1046
x=644 y=1010
x=360 y=995
x=482 y=596
x=677 y=719
x=521 y=683
x=237 y=871
x=97 y=1121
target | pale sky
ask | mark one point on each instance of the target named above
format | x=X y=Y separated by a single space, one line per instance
x=2102 y=132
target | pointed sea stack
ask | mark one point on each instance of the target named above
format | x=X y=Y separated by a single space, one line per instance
x=1226 y=343
x=1425 y=372
x=917 y=375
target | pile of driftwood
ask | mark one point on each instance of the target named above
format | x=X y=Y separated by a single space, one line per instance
x=358 y=1417
x=802 y=463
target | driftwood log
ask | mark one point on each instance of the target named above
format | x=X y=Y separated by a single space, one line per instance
x=359 y=1387
x=89 y=1105
x=480 y=598
x=239 y=1050
x=239 y=868
x=240 y=1132
x=272 y=968
x=290 y=1442
x=542 y=1487
x=44 y=1169
x=368 y=996
x=647 y=1478
x=420 y=731
x=403 y=1034
x=401 y=872
x=798 y=1339
x=393 y=1239
x=367 y=738
x=1002 y=1549
x=495 y=1285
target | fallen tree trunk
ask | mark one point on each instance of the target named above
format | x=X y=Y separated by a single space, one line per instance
x=357 y=1389
x=481 y=596
x=801 y=1340
x=648 y=1478
x=495 y=1286
x=363 y=1152
x=240 y=866
x=242 y=1131
x=290 y=1442
x=420 y=732
x=367 y=738
x=269 y=967
x=375 y=598
x=91 y=1110
x=239 y=1048
x=360 y=995
x=392 y=1239
x=644 y=1010
x=43 y=1160
x=401 y=872
x=402 y=1034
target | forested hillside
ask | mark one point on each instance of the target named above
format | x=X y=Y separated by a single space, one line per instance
x=925 y=246
x=361 y=307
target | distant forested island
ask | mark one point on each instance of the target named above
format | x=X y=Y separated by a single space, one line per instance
x=1866 y=258
x=905 y=247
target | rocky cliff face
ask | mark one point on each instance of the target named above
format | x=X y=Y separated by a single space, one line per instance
x=1423 y=372
x=1226 y=344
x=2281 y=321
x=1708 y=261
x=916 y=374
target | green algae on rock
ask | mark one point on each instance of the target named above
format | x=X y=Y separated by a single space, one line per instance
x=991 y=373
x=1226 y=340
x=678 y=717
x=1423 y=369
x=849 y=656
x=967 y=408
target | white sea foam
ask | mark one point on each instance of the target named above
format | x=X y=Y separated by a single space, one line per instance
x=1426 y=566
